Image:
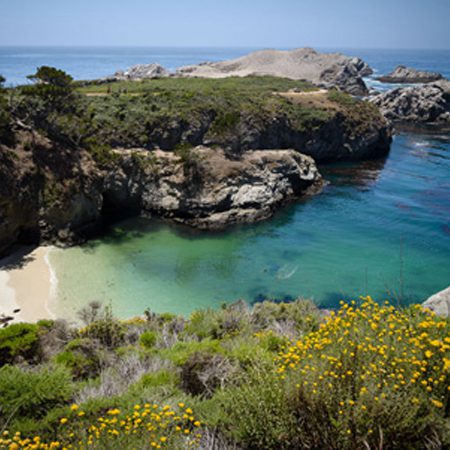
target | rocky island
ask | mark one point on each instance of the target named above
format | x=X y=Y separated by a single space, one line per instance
x=322 y=69
x=402 y=74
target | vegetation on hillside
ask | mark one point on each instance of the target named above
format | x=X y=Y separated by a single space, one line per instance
x=169 y=112
x=274 y=376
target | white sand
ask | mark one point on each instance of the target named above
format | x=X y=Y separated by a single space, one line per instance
x=26 y=283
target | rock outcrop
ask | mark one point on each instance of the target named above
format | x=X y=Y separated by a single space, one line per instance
x=402 y=74
x=427 y=104
x=209 y=190
x=322 y=69
x=439 y=303
x=50 y=194
x=140 y=72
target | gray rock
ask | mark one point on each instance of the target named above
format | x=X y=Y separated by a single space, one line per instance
x=402 y=74
x=439 y=303
x=323 y=69
x=211 y=191
x=426 y=104
x=140 y=72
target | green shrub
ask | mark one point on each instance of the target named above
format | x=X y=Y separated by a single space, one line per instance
x=109 y=331
x=148 y=339
x=31 y=394
x=162 y=377
x=19 y=340
x=82 y=357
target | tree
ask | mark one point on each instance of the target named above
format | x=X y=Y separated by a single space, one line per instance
x=54 y=87
x=6 y=135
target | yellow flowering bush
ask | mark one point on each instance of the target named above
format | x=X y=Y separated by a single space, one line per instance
x=371 y=372
x=146 y=426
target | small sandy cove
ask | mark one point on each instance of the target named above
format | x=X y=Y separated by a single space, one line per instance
x=26 y=284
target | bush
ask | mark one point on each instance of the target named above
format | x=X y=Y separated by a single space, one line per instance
x=19 y=340
x=204 y=372
x=148 y=339
x=31 y=394
x=370 y=377
x=107 y=330
x=82 y=357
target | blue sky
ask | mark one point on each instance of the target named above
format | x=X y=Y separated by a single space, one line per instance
x=247 y=23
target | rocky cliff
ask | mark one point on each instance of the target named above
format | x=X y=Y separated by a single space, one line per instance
x=50 y=193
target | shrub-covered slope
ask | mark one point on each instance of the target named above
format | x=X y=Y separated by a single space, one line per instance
x=275 y=376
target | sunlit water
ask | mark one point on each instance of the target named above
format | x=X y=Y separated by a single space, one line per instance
x=379 y=227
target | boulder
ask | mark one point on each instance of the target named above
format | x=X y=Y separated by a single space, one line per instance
x=439 y=303
x=426 y=104
x=323 y=69
x=140 y=72
x=402 y=74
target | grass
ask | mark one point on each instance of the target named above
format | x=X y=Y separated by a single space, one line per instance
x=187 y=87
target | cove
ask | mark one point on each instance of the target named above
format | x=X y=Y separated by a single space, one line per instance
x=379 y=227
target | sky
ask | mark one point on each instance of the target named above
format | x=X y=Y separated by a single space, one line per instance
x=231 y=23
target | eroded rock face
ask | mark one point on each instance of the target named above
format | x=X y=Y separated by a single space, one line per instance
x=402 y=74
x=212 y=191
x=50 y=194
x=323 y=69
x=427 y=104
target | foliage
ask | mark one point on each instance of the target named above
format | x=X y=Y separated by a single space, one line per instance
x=274 y=376
x=18 y=340
x=148 y=339
x=158 y=426
x=32 y=393
x=371 y=376
x=6 y=135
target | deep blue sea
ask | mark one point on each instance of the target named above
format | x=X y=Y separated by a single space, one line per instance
x=380 y=227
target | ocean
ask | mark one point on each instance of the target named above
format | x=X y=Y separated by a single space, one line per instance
x=380 y=227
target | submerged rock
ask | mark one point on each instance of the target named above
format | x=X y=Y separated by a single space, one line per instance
x=439 y=303
x=402 y=74
x=323 y=69
x=427 y=104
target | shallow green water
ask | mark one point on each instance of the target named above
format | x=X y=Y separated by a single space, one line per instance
x=379 y=227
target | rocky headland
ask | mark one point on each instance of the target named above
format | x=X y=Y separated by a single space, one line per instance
x=403 y=74
x=206 y=153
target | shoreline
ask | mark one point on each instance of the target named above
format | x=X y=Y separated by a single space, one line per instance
x=27 y=282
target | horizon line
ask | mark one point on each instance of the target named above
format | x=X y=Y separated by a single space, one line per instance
x=217 y=46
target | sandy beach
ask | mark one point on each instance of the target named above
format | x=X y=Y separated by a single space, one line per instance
x=26 y=284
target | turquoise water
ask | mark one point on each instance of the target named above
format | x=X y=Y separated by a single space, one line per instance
x=379 y=227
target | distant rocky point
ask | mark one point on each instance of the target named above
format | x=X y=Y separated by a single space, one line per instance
x=140 y=72
x=427 y=104
x=403 y=74
x=322 y=69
